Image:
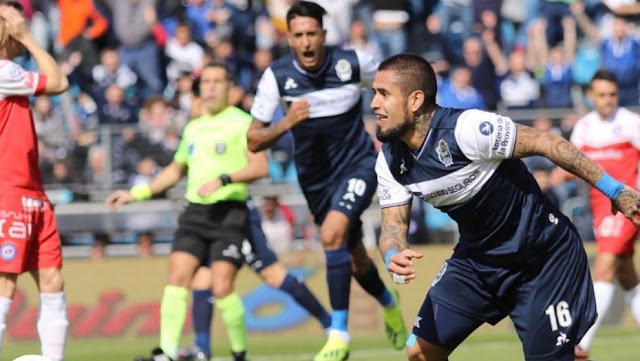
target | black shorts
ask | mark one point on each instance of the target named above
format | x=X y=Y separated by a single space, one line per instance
x=213 y=232
x=350 y=195
x=551 y=303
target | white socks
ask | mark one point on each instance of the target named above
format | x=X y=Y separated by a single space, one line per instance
x=604 y=295
x=632 y=298
x=52 y=325
x=5 y=304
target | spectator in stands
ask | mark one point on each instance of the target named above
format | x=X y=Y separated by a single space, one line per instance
x=110 y=71
x=129 y=148
x=484 y=57
x=519 y=89
x=181 y=99
x=80 y=25
x=116 y=109
x=95 y=173
x=560 y=24
x=136 y=27
x=458 y=13
x=359 y=40
x=146 y=169
x=432 y=48
x=261 y=60
x=389 y=20
x=225 y=52
x=278 y=223
x=98 y=247
x=557 y=80
x=51 y=126
x=196 y=15
x=184 y=55
x=457 y=91
x=155 y=117
x=618 y=53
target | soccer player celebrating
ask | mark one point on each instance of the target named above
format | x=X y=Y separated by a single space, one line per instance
x=214 y=157
x=29 y=239
x=610 y=136
x=518 y=255
x=334 y=157
x=260 y=257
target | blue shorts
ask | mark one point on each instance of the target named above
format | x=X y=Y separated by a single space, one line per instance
x=550 y=302
x=256 y=250
x=350 y=195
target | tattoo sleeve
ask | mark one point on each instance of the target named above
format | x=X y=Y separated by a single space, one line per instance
x=530 y=141
x=394 y=228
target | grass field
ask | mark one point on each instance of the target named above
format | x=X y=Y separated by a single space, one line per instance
x=609 y=345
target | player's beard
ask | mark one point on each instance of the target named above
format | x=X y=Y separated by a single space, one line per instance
x=392 y=133
x=397 y=131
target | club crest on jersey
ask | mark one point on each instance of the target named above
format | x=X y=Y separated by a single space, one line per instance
x=486 y=128
x=8 y=251
x=221 y=148
x=444 y=155
x=290 y=84
x=343 y=70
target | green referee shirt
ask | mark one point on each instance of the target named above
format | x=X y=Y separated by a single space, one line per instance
x=210 y=146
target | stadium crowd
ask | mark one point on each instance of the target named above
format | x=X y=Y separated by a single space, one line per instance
x=131 y=65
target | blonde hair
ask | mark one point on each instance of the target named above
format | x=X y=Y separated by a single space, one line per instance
x=4 y=32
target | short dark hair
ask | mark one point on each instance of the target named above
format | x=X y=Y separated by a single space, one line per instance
x=195 y=87
x=305 y=9
x=604 y=74
x=413 y=73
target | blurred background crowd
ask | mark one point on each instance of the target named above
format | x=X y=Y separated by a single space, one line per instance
x=131 y=64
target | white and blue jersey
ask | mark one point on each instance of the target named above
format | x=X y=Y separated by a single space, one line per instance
x=518 y=256
x=464 y=169
x=333 y=141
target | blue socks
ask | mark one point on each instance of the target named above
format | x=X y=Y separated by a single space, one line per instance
x=339 y=282
x=202 y=314
x=299 y=291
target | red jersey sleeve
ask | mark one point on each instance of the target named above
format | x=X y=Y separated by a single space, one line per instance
x=15 y=81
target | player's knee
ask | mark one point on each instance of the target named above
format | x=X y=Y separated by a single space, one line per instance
x=180 y=279
x=331 y=238
x=7 y=285
x=222 y=288
x=274 y=275
x=50 y=280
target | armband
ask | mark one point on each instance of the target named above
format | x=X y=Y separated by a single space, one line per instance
x=387 y=257
x=141 y=192
x=609 y=186
x=225 y=179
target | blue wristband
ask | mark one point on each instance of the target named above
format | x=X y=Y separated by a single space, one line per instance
x=387 y=257
x=609 y=186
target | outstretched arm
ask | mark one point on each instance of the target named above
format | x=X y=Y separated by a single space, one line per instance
x=530 y=141
x=393 y=243
x=167 y=178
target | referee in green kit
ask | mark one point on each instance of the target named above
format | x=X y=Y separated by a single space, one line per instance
x=213 y=155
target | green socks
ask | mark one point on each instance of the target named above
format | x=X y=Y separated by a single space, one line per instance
x=232 y=312
x=173 y=312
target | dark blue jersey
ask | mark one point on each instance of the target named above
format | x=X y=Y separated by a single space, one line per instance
x=333 y=140
x=464 y=169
